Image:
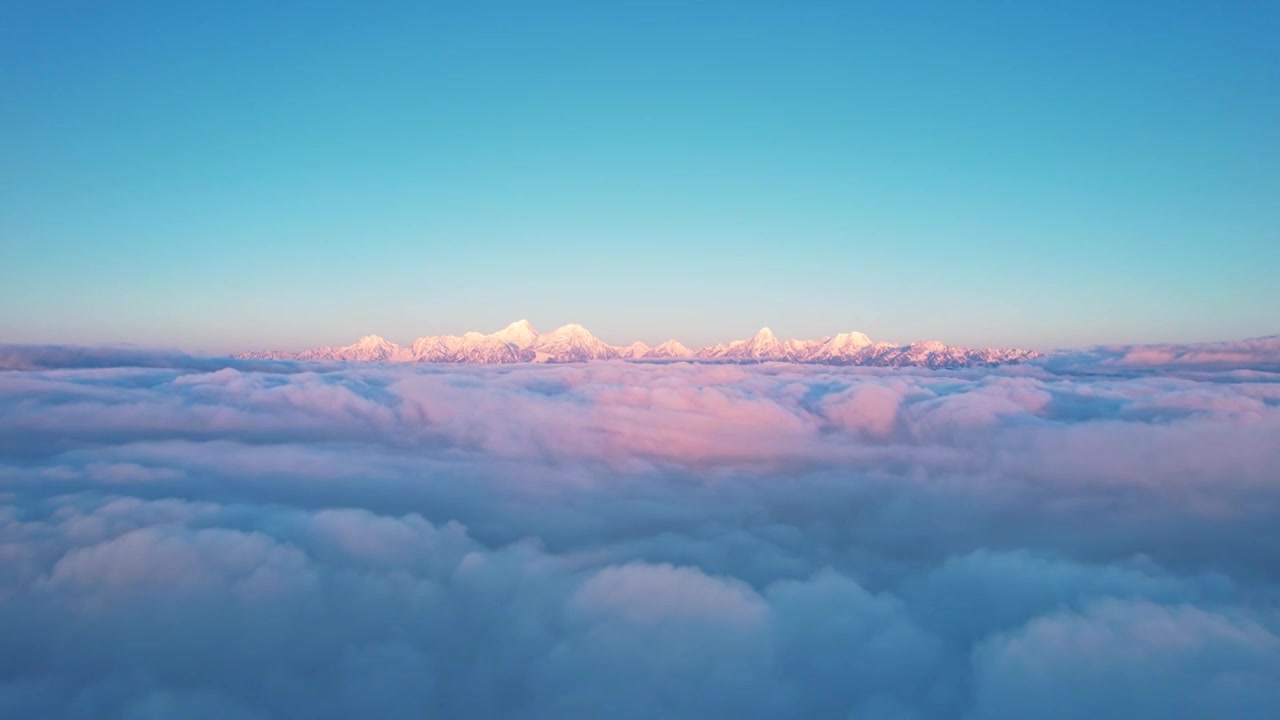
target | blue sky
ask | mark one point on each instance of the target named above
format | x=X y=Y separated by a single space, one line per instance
x=291 y=174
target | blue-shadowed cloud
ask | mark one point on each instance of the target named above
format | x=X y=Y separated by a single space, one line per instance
x=195 y=537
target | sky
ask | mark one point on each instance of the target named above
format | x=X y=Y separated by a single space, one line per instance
x=234 y=176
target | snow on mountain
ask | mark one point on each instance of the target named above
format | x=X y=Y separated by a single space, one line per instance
x=929 y=353
x=572 y=343
x=369 y=348
x=764 y=345
x=857 y=349
x=485 y=349
x=634 y=351
x=326 y=353
x=268 y=355
x=519 y=333
x=372 y=348
x=711 y=352
x=1000 y=356
x=668 y=350
x=520 y=342
x=801 y=349
x=932 y=353
x=842 y=346
x=434 y=348
x=473 y=347
x=875 y=354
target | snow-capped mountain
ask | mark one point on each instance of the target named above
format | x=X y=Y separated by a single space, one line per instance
x=487 y=349
x=764 y=345
x=269 y=355
x=841 y=346
x=634 y=351
x=520 y=342
x=472 y=347
x=712 y=352
x=369 y=348
x=668 y=350
x=434 y=348
x=572 y=343
x=857 y=349
x=797 y=349
x=519 y=333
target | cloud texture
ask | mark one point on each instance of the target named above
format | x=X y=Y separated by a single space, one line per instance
x=187 y=537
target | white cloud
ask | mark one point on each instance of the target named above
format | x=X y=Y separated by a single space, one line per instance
x=178 y=537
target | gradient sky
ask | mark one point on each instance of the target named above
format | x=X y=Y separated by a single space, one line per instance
x=229 y=176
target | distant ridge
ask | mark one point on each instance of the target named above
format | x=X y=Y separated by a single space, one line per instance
x=519 y=342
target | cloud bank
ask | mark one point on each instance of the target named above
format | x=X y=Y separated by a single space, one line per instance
x=1260 y=353
x=202 y=538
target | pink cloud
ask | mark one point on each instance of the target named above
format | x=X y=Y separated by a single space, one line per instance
x=646 y=594
x=675 y=540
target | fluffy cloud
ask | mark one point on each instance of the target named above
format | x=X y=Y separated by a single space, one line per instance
x=1134 y=659
x=204 y=538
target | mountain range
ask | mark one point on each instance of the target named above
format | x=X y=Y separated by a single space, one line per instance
x=520 y=342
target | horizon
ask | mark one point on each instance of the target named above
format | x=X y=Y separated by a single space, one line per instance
x=405 y=342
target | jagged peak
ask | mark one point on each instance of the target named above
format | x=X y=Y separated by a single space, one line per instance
x=634 y=350
x=519 y=333
x=571 y=329
x=670 y=349
x=518 y=342
x=931 y=345
x=521 y=325
x=852 y=337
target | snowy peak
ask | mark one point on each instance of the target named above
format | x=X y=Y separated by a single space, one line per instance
x=434 y=348
x=473 y=347
x=763 y=345
x=573 y=330
x=842 y=345
x=711 y=352
x=572 y=343
x=519 y=333
x=798 y=349
x=633 y=351
x=485 y=349
x=668 y=350
x=851 y=340
x=371 y=341
x=370 y=348
x=520 y=342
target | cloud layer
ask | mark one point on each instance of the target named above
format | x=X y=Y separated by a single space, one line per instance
x=1260 y=353
x=189 y=537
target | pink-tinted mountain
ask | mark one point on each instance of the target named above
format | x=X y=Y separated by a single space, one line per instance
x=519 y=342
